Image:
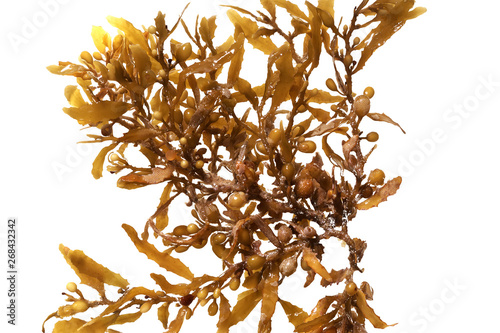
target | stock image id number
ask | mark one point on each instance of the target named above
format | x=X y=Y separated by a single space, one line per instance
x=11 y=243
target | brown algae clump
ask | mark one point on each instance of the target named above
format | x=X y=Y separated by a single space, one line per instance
x=277 y=163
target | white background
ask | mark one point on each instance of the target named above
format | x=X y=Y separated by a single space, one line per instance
x=432 y=254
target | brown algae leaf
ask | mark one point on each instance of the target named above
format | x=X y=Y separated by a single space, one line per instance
x=90 y=272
